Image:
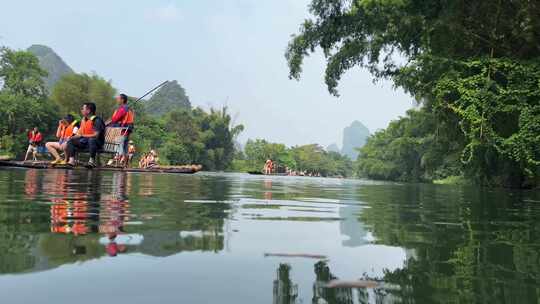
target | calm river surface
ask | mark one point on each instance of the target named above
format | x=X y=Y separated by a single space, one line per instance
x=102 y=237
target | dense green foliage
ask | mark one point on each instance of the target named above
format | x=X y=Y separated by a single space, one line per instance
x=21 y=74
x=308 y=158
x=72 y=90
x=169 y=97
x=23 y=101
x=52 y=63
x=189 y=137
x=473 y=66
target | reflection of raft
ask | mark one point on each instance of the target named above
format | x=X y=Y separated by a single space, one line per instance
x=260 y=173
x=47 y=165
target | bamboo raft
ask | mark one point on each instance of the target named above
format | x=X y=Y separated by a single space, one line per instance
x=46 y=165
x=262 y=173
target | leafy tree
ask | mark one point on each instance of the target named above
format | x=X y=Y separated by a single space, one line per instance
x=72 y=90
x=23 y=101
x=21 y=74
x=308 y=158
x=217 y=135
x=472 y=65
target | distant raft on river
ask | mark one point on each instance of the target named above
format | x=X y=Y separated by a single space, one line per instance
x=186 y=169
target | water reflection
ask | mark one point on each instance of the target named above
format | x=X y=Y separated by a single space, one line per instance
x=89 y=215
x=423 y=243
x=469 y=245
x=284 y=291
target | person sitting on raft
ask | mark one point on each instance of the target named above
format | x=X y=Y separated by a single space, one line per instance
x=149 y=160
x=142 y=161
x=131 y=152
x=34 y=139
x=123 y=117
x=67 y=127
x=91 y=136
x=152 y=159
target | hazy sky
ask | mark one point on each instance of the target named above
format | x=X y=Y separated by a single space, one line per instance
x=222 y=52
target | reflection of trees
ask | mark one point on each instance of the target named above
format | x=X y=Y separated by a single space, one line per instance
x=19 y=225
x=285 y=291
x=469 y=245
x=330 y=295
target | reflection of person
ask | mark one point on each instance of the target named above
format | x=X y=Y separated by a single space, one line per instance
x=31 y=183
x=268 y=186
x=147 y=185
x=113 y=248
x=34 y=139
x=114 y=212
x=72 y=211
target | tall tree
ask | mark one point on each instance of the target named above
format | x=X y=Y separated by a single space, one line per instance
x=72 y=90
x=21 y=74
x=472 y=64
x=23 y=100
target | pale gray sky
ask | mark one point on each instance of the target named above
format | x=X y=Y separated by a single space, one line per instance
x=220 y=51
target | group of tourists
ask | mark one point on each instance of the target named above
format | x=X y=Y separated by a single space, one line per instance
x=88 y=134
x=270 y=168
x=149 y=160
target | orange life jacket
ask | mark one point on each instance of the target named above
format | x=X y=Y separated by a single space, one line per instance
x=87 y=126
x=67 y=131
x=128 y=119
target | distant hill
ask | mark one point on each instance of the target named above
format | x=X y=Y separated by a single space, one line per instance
x=333 y=148
x=50 y=62
x=354 y=136
x=169 y=97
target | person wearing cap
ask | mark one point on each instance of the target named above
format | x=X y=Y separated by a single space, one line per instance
x=67 y=127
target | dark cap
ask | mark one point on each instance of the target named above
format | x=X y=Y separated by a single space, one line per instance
x=69 y=118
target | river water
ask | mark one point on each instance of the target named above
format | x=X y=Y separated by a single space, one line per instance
x=103 y=237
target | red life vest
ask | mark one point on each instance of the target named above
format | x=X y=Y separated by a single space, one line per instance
x=35 y=137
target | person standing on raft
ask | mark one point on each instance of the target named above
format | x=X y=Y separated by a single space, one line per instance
x=123 y=117
x=34 y=139
x=91 y=135
x=67 y=127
